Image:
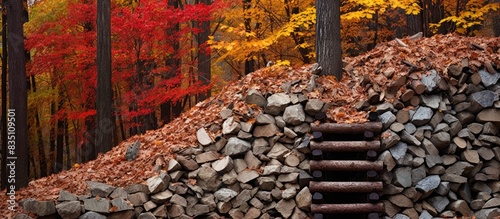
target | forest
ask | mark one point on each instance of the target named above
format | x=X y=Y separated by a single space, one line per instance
x=167 y=55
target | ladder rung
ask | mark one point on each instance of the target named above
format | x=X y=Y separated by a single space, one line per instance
x=357 y=187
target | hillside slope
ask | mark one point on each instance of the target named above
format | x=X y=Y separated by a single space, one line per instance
x=383 y=66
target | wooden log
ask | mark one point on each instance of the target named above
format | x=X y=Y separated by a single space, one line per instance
x=317 y=154
x=346 y=165
x=371 y=175
x=402 y=116
x=368 y=135
x=345 y=146
x=398 y=105
x=400 y=81
x=317 y=136
x=489 y=67
x=338 y=128
x=317 y=175
x=318 y=216
x=415 y=101
x=373 y=96
x=356 y=208
x=417 y=86
x=373 y=197
x=320 y=116
x=355 y=187
x=317 y=198
x=373 y=116
x=371 y=155
x=475 y=78
x=407 y=95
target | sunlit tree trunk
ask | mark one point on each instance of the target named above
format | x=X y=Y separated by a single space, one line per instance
x=328 y=48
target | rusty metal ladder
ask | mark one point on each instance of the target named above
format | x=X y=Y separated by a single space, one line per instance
x=343 y=166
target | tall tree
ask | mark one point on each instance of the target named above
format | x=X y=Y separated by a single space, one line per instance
x=4 y=100
x=104 y=90
x=328 y=47
x=204 y=70
x=18 y=90
x=249 y=62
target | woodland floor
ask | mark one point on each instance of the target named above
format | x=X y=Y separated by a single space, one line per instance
x=437 y=53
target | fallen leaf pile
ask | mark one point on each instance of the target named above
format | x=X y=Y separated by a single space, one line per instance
x=419 y=55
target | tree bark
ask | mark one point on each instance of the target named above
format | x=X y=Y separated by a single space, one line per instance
x=18 y=93
x=104 y=90
x=249 y=62
x=204 y=70
x=328 y=48
x=4 y=102
x=42 y=161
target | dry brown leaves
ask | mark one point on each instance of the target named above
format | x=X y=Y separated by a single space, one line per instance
x=111 y=168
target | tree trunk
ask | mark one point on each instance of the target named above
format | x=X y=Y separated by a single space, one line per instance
x=204 y=70
x=249 y=62
x=328 y=48
x=304 y=52
x=66 y=142
x=4 y=103
x=42 y=161
x=58 y=166
x=104 y=91
x=174 y=63
x=18 y=94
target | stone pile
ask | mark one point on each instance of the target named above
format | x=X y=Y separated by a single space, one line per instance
x=247 y=167
x=441 y=144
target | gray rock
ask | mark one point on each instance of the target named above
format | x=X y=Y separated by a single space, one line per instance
x=425 y=215
x=438 y=202
x=132 y=151
x=399 y=151
x=304 y=199
x=40 y=208
x=230 y=178
x=278 y=151
x=422 y=116
x=431 y=101
x=431 y=80
x=66 y=196
x=236 y=146
x=252 y=161
x=223 y=165
x=490 y=129
x=389 y=140
x=207 y=157
x=400 y=216
x=403 y=177
x=173 y=165
x=285 y=207
x=410 y=139
x=294 y=115
x=428 y=184
x=266 y=183
x=288 y=178
x=441 y=140
x=433 y=160
x=453 y=178
x=491 y=213
x=156 y=184
x=203 y=137
x=482 y=99
x=187 y=163
x=230 y=126
x=314 y=106
x=100 y=205
x=247 y=175
x=487 y=78
x=264 y=119
x=208 y=179
x=69 y=209
x=138 y=199
x=243 y=197
x=387 y=119
x=255 y=97
x=121 y=204
x=268 y=130
x=92 y=215
x=289 y=193
x=118 y=193
x=225 y=194
x=277 y=103
x=100 y=189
